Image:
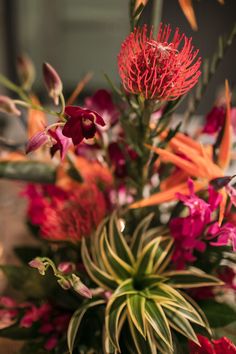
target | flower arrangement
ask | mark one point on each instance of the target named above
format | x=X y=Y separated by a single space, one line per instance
x=134 y=216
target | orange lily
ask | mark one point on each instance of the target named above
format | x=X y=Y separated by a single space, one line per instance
x=200 y=164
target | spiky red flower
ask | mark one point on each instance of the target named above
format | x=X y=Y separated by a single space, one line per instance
x=156 y=67
x=76 y=217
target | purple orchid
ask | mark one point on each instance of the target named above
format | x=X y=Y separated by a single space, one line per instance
x=82 y=123
x=62 y=143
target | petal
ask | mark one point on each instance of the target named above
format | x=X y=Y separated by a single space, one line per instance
x=72 y=129
x=73 y=111
x=36 y=141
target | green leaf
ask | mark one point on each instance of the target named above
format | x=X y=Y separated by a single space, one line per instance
x=30 y=171
x=181 y=324
x=218 y=314
x=114 y=264
x=113 y=314
x=29 y=281
x=126 y=288
x=139 y=234
x=97 y=275
x=190 y=279
x=163 y=254
x=118 y=241
x=157 y=319
x=190 y=315
x=136 y=310
x=76 y=320
x=147 y=257
x=142 y=346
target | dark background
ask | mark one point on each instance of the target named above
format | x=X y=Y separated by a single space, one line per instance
x=77 y=36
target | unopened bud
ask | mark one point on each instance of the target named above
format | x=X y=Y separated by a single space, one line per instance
x=66 y=267
x=26 y=71
x=7 y=105
x=79 y=287
x=36 y=141
x=38 y=264
x=53 y=82
x=64 y=283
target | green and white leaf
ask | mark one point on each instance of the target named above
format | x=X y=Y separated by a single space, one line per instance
x=76 y=321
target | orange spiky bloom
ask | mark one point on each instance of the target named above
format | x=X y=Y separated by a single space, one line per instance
x=200 y=164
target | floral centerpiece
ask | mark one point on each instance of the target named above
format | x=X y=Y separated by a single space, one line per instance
x=133 y=214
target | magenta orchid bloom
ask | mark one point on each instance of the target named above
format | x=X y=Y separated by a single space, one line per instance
x=225 y=235
x=62 y=143
x=82 y=123
x=102 y=103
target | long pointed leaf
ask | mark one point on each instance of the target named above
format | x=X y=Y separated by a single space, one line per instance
x=76 y=320
x=157 y=319
x=147 y=257
x=138 y=235
x=190 y=279
x=136 y=309
x=114 y=264
x=100 y=277
x=118 y=241
x=114 y=310
x=142 y=346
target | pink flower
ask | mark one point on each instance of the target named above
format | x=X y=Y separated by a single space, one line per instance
x=62 y=143
x=215 y=120
x=51 y=343
x=101 y=102
x=37 y=140
x=82 y=123
x=219 y=346
x=155 y=66
x=225 y=235
x=188 y=231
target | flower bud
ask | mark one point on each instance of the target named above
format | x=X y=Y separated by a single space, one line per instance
x=64 y=283
x=36 y=141
x=79 y=287
x=52 y=82
x=26 y=71
x=38 y=264
x=7 y=105
x=66 y=267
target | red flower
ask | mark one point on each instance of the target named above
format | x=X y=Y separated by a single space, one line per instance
x=82 y=123
x=222 y=345
x=158 y=68
x=76 y=217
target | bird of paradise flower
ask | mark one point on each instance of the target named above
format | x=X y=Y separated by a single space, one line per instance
x=200 y=165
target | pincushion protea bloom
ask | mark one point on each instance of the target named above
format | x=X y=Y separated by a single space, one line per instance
x=156 y=67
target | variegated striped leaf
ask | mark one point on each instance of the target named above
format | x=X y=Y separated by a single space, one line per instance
x=136 y=311
x=100 y=277
x=113 y=313
x=118 y=268
x=181 y=325
x=157 y=319
x=118 y=242
x=76 y=320
x=163 y=255
x=125 y=288
x=139 y=233
x=146 y=259
x=142 y=346
x=190 y=279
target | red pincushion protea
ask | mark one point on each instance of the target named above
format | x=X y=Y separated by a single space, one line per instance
x=75 y=217
x=158 y=68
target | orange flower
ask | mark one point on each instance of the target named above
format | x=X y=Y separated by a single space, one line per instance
x=200 y=165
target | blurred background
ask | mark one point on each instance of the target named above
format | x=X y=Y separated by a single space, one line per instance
x=78 y=36
x=81 y=36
